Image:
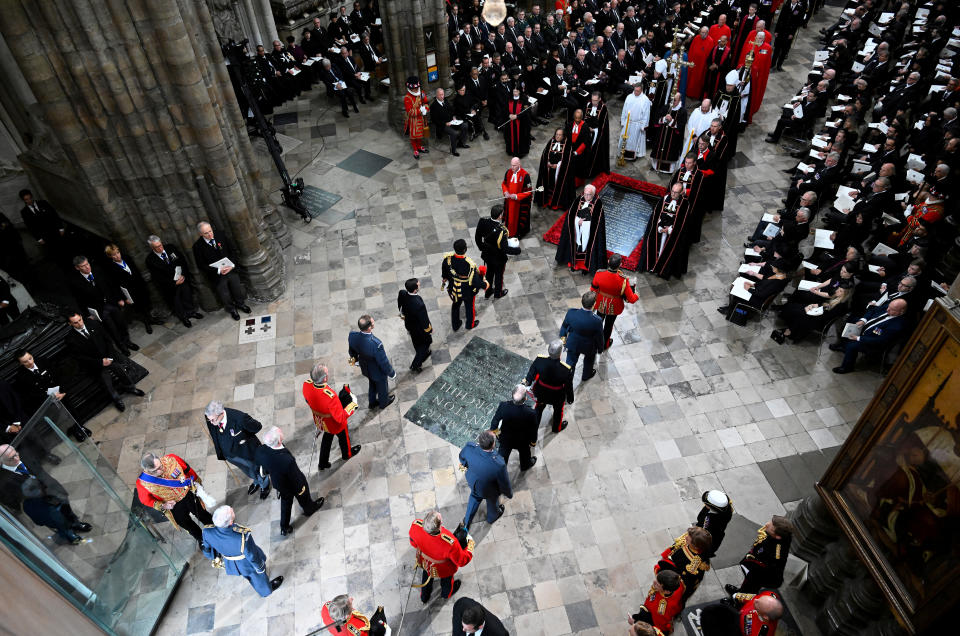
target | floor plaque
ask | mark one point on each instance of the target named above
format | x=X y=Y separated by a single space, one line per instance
x=461 y=402
x=257 y=328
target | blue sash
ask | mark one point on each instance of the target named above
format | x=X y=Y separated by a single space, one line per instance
x=169 y=483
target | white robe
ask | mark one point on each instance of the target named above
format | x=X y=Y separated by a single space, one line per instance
x=639 y=110
x=697 y=124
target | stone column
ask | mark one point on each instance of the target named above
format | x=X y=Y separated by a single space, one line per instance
x=268 y=26
x=405 y=23
x=142 y=106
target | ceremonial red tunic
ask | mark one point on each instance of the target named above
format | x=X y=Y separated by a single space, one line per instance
x=750 y=622
x=329 y=415
x=612 y=289
x=439 y=554
x=750 y=42
x=517 y=211
x=357 y=624
x=175 y=469
x=414 y=123
x=716 y=31
x=700 y=49
x=663 y=609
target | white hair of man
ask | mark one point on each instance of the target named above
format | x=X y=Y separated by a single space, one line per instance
x=148 y=461
x=554 y=349
x=340 y=608
x=519 y=394
x=201 y=225
x=803 y=214
x=213 y=410
x=319 y=373
x=431 y=522
x=153 y=239
x=223 y=516
x=273 y=437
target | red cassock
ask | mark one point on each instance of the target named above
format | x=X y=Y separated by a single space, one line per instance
x=752 y=40
x=716 y=31
x=750 y=622
x=759 y=73
x=439 y=554
x=663 y=609
x=612 y=289
x=517 y=211
x=700 y=48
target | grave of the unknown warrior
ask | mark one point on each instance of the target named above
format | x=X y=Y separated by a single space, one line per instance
x=461 y=402
x=628 y=212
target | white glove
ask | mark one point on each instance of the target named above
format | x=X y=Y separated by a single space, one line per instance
x=423 y=110
x=386 y=629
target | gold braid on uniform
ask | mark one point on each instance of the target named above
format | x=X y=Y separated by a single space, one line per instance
x=761 y=536
x=742 y=598
x=358 y=631
x=696 y=562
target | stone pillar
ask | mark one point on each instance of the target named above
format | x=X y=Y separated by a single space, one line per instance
x=813 y=529
x=268 y=26
x=142 y=105
x=406 y=24
x=251 y=18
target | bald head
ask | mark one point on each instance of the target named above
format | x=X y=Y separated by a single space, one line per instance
x=769 y=608
x=897 y=307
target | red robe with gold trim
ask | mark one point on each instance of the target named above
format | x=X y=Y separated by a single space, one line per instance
x=517 y=212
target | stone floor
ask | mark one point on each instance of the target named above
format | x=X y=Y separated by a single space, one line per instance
x=684 y=401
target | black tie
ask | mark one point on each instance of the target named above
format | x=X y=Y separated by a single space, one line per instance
x=213 y=244
x=86 y=334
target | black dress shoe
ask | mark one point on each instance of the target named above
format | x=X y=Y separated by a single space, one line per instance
x=244 y=308
x=135 y=391
x=488 y=293
x=147 y=327
x=771 y=140
x=723 y=309
x=78 y=433
x=264 y=492
x=533 y=460
x=425 y=151
x=416 y=369
x=53 y=459
x=353 y=451
x=777 y=336
x=355 y=109
x=252 y=489
x=133 y=346
x=500 y=511
x=563 y=424
x=197 y=315
x=486 y=137
x=235 y=315
x=454 y=153
x=186 y=322
x=587 y=376
x=837 y=346
x=390 y=400
x=501 y=294
x=323 y=466
x=75 y=540
x=748 y=243
x=285 y=530
x=731 y=589
x=317 y=505
x=464 y=145
x=86 y=431
x=474 y=326
x=346 y=114
x=456 y=587
x=842 y=370
x=81 y=526
x=120 y=405
x=275 y=583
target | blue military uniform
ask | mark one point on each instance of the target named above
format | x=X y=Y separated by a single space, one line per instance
x=368 y=350
x=240 y=553
x=583 y=331
x=488 y=479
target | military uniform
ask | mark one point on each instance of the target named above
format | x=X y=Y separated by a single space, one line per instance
x=691 y=566
x=177 y=483
x=660 y=609
x=491 y=237
x=724 y=618
x=612 y=289
x=764 y=562
x=715 y=522
x=239 y=554
x=330 y=413
x=463 y=280
x=440 y=556
x=368 y=351
x=582 y=332
x=517 y=424
x=357 y=623
x=552 y=382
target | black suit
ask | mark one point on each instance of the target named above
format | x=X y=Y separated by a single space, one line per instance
x=33 y=385
x=228 y=286
x=288 y=479
x=331 y=77
x=491 y=237
x=348 y=69
x=100 y=294
x=162 y=269
x=440 y=115
x=90 y=352
x=417 y=322
x=491 y=624
x=11 y=310
x=133 y=282
x=43 y=498
x=237 y=443
x=42 y=221
x=518 y=425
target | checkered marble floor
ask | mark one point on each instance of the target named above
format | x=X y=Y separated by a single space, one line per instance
x=684 y=401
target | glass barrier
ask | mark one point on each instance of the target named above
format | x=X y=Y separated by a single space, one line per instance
x=119 y=571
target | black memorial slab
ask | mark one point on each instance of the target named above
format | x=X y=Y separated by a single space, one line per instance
x=690 y=621
x=627 y=212
x=461 y=402
x=364 y=163
x=318 y=201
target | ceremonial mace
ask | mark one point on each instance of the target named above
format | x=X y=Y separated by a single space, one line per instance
x=537 y=189
x=623 y=144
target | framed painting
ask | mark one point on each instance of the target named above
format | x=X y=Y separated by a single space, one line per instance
x=894 y=487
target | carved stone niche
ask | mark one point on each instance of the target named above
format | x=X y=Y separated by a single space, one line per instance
x=292 y=16
x=226 y=19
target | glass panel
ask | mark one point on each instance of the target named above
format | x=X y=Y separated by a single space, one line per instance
x=121 y=572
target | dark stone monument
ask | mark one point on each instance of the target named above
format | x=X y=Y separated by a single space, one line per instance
x=628 y=212
x=462 y=401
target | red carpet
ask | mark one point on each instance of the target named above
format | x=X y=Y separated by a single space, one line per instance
x=629 y=262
